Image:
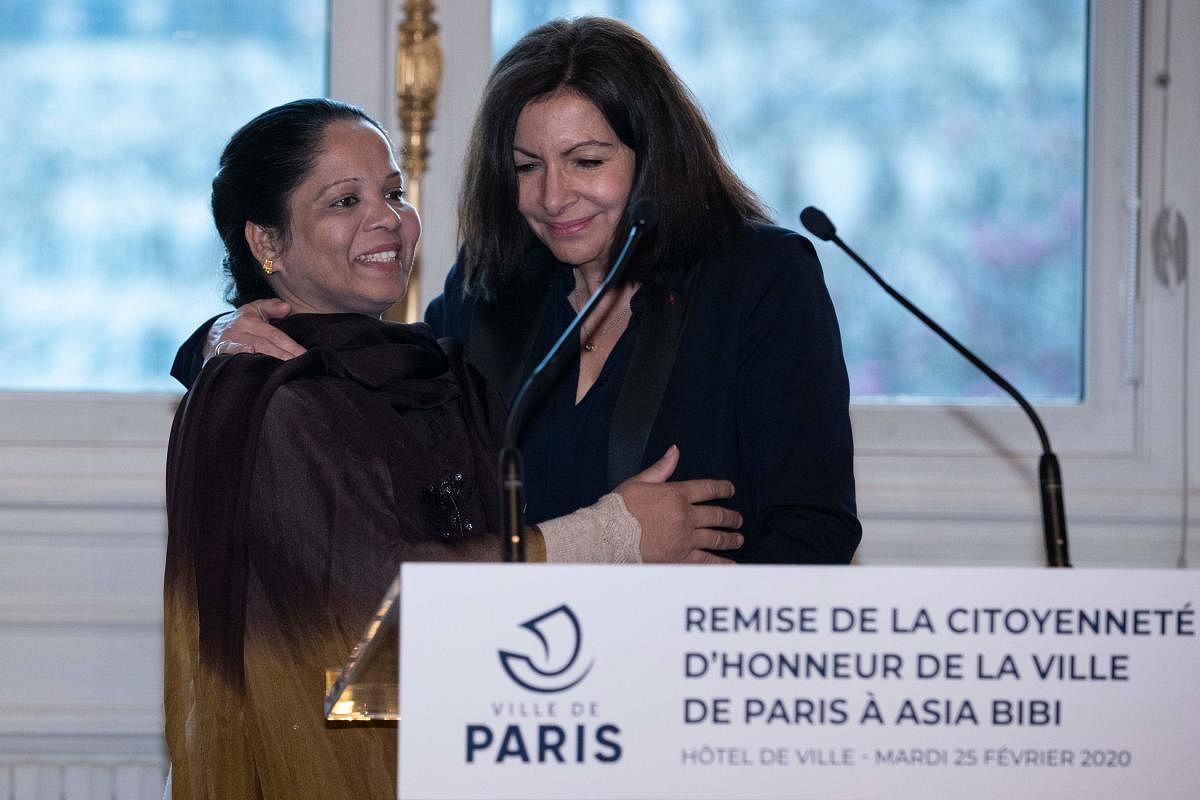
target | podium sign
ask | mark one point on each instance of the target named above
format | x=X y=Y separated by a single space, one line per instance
x=536 y=681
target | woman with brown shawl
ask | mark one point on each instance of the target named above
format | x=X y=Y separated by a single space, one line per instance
x=295 y=489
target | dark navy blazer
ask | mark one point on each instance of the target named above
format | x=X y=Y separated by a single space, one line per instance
x=737 y=360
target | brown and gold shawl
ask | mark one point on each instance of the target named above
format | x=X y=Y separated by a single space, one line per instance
x=294 y=491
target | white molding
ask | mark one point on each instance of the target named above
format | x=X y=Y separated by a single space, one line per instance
x=81 y=719
x=465 y=29
x=112 y=748
x=1184 y=193
x=360 y=56
x=84 y=418
x=87 y=613
x=61 y=523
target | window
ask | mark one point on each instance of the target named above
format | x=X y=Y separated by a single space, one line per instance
x=946 y=141
x=117 y=112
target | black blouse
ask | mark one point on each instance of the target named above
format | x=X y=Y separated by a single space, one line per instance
x=565 y=446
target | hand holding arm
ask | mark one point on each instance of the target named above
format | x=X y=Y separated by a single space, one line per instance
x=645 y=519
x=676 y=524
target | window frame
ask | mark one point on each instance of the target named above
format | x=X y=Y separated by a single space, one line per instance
x=938 y=444
x=1103 y=422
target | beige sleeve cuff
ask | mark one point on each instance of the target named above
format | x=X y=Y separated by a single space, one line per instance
x=602 y=533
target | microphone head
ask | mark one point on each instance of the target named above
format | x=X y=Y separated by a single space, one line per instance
x=817 y=223
x=644 y=214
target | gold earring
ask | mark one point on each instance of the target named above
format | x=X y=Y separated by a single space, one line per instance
x=268 y=266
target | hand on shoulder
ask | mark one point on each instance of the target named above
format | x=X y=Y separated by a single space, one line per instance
x=249 y=330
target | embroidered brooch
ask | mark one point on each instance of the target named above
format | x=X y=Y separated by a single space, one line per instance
x=447 y=496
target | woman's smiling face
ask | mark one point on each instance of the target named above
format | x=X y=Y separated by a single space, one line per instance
x=351 y=236
x=574 y=176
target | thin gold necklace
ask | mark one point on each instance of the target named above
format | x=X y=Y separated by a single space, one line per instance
x=589 y=340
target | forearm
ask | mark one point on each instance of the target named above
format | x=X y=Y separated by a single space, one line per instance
x=602 y=533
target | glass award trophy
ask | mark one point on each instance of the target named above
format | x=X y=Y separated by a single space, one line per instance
x=366 y=688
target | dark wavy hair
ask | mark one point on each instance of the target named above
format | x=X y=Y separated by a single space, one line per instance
x=678 y=161
x=261 y=166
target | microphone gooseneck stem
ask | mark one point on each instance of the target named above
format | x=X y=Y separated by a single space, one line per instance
x=512 y=500
x=957 y=345
x=1054 y=518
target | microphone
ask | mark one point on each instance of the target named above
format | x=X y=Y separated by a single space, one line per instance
x=642 y=218
x=1054 y=518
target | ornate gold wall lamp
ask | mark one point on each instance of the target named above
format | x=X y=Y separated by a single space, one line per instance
x=418 y=80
